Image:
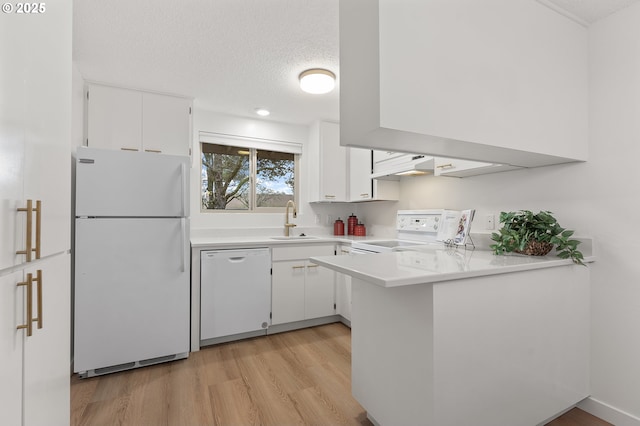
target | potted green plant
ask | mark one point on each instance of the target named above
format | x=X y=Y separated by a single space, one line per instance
x=534 y=234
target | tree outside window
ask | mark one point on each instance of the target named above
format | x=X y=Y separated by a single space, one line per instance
x=228 y=173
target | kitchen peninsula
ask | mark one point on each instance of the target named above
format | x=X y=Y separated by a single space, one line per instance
x=452 y=337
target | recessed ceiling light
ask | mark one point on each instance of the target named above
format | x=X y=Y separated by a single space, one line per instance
x=317 y=81
x=262 y=112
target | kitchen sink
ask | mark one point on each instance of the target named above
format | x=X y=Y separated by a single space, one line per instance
x=294 y=237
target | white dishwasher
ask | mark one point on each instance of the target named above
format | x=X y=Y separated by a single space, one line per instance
x=235 y=294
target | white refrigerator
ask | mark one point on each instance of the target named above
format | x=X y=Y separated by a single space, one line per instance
x=131 y=255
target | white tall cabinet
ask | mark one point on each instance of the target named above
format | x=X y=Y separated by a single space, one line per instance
x=35 y=164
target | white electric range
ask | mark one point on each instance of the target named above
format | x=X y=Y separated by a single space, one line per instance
x=413 y=227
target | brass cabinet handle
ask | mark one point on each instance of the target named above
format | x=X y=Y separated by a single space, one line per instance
x=29 y=325
x=157 y=151
x=27 y=251
x=445 y=166
x=345 y=251
x=329 y=196
x=129 y=149
x=364 y=194
x=39 y=296
x=298 y=267
x=312 y=266
x=38 y=211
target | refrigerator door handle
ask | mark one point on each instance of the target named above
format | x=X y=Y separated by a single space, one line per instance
x=183 y=253
x=183 y=177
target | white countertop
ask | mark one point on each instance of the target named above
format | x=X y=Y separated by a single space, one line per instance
x=275 y=240
x=433 y=264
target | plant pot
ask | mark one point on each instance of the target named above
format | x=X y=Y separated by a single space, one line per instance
x=536 y=248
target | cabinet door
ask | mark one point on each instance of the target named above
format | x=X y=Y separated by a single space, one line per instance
x=15 y=77
x=11 y=186
x=12 y=302
x=343 y=290
x=319 y=296
x=47 y=179
x=47 y=351
x=381 y=156
x=166 y=124
x=360 y=182
x=333 y=169
x=287 y=291
x=465 y=168
x=114 y=118
x=35 y=117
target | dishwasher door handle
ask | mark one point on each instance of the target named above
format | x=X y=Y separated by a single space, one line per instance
x=237 y=259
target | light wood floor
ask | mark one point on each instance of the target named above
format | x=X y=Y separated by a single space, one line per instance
x=300 y=377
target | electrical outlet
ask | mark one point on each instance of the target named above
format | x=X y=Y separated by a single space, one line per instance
x=490 y=222
x=318 y=219
x=329 y=219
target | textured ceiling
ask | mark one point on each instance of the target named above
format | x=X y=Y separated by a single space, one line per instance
x=231 y=55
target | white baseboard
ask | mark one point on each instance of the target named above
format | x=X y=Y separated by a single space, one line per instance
x=608 y=413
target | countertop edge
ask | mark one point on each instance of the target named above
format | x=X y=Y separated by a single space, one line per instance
x=241 y=242
x=430 y=278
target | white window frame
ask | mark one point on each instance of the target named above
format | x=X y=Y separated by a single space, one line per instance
x=254 y=144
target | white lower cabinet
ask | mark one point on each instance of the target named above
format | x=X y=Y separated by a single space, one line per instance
x=301 y=290
x=35 y=369
x=319 y=291
x=343 y=288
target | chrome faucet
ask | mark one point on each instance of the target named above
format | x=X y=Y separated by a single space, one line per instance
x=287 y=224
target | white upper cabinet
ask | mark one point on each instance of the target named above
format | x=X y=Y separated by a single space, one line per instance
x=340 y=174
x=327 y=163
x=361 y=186
x=465 y=168
x=114 y=118
x=132 y=120
x=499 y=82
x=360 y=182
x=166 y=124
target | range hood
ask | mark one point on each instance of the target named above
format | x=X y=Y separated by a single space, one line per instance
x=404 y=165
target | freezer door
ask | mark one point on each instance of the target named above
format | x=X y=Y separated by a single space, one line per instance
x=131 y=184
x=131 y=290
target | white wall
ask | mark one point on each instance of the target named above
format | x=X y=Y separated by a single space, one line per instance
x=598 y=198
x=204 y=120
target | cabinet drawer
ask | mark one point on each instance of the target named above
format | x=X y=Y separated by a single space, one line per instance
x=301 y=252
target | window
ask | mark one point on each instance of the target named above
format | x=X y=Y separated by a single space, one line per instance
x=245 y=175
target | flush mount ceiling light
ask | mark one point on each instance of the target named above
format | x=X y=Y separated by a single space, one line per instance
x=262 y=112
x=317 y=81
